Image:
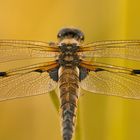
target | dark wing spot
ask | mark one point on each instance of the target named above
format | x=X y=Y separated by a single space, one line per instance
x=39 y=70
x=98 y=69
x=3 y=74
x=54 y=74
x=83 y=72
x=136 y=72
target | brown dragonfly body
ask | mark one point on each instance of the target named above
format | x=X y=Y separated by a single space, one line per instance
x=68 y=74
x=71 y=65
x=69 y=93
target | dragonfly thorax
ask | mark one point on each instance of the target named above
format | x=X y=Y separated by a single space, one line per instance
x=68 y=56
x=69 y=48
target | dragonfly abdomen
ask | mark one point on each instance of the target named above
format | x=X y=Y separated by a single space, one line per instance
x=69 y=93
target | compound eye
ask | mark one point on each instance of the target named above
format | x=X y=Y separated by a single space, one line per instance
x=59 y=35
x=82 y=38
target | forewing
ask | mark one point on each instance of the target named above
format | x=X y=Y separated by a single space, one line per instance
x=111 y=49
x=11 y=50
x=116 y=84
x=97 y=66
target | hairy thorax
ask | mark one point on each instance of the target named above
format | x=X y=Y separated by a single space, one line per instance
x=68 y=56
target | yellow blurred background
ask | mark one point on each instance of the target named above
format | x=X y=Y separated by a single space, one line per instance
x=99 y=117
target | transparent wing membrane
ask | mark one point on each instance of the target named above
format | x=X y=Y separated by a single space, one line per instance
x=34 y=79
x=26 y=69
x=27 y=84
x=11 y=50
x=29 y=44
x=96 y=66
x=29 y=80
x=116 y=84
x=112 y=49
x=111 y=42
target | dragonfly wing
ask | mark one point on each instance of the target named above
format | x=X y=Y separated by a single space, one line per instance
x=112 y=49
x=27 y=81
x=113 y=80
x=22 y=85
x=11 y=50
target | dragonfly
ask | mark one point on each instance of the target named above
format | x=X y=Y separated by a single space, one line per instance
x=70 y=65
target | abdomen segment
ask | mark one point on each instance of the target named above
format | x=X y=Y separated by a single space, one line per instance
x=69 y=93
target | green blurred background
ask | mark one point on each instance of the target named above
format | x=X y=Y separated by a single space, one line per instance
x=99 y=117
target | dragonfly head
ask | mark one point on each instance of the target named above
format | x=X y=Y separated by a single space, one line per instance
x=71 y=33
